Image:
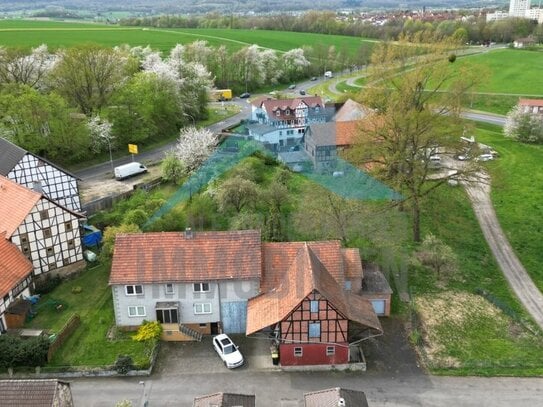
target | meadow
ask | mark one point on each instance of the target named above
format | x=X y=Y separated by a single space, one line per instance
x=26 y=33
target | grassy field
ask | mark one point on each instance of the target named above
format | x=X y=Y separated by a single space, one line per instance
x=508 y=75
x=517 y=195
x=24 y=33
x=457 y=340
x=88 y=345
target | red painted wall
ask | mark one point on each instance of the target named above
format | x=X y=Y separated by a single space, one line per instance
x=312 y=354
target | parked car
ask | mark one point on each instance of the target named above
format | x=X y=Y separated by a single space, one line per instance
x=302 y=92
x=313 y=78
x=293 y=86
x=228 y=351
x=245 y=95
x=129 y=170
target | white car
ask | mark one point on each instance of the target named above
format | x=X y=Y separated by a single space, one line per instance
x=228 y=351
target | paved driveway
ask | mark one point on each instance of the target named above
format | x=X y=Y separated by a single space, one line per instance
x=200 y=357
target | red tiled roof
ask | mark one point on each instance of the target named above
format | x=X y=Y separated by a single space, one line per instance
x=278 y=257
x=331 y=397
x=16 y=202
x=171 y=257
x=353 y=264
x=306 y=274
x=35 y=393
x=225 y=400
x=14 y=266
x=271 y=105
x=530 y=102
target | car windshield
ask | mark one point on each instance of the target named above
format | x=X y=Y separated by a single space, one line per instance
x=229 y=349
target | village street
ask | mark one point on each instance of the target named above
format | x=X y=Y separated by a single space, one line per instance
x=286 y=389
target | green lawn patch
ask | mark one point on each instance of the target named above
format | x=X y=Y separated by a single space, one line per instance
x=517 y=196
x=88 y=345
x=28 y=33
x=510 y=71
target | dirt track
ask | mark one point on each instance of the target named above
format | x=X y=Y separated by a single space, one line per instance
x=515 y=273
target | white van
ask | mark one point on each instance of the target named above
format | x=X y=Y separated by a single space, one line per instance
x=129 y=170
x=328 y=74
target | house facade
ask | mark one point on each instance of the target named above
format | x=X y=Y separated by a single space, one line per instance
x=307 y=302
x=190 y=282
x=534 y=106
x=45 y=232
x=15 y=278
x=38 y=174
x=281 y=123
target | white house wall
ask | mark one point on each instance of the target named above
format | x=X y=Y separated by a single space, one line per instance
x=55 y=184
x=59 y=247
x=183 y=294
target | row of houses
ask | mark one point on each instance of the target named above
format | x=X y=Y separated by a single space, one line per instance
x=307 y=297
x=40 y=219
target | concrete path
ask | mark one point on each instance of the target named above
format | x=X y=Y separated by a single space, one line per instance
x=515 y=273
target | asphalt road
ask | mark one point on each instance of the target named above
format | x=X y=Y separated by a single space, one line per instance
x=155 y=155
x=286 y=389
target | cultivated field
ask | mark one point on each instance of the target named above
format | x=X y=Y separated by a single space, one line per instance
x=23 y=33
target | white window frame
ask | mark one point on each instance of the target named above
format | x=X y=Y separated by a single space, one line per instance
x=298 y=352
x=168 y=288
x=330 y=350
x=200 y=308
x=136 y=311
x=199 y=288
x=134 y=289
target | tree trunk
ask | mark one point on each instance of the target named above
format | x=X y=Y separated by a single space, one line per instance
x=416 y=220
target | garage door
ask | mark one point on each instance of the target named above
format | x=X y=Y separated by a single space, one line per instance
x=234 y=317
x=378 y=306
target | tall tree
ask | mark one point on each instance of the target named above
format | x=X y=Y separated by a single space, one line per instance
x=19 y=66
x=417 y=101
x=88 y=75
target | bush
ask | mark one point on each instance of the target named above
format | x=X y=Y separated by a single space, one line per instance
x=123 y=364
x=15 y=351
x=148 y=330
x=77 y=289
x=44 y=286
x=136 y=217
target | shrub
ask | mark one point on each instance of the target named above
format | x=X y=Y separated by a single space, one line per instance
x=77 y=289
x=15 y=351
x=136 y=217
x=44 y=286
x=452 y=58
x=123 y=364
x=148 y=331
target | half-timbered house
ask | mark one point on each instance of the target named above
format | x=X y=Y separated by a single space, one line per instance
x=39 y=174
x=305 y=305
x=15 y=277
x=280 y=124
x=46 y=233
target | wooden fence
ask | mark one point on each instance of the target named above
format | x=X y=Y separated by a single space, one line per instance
x=68 y=328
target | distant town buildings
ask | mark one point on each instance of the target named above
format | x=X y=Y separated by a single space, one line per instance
x=519 y=9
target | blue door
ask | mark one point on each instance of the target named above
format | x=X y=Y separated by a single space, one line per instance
x=378 y=306
x=234 y=317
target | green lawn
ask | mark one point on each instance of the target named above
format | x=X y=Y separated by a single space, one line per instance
x=517 y=195
x=27 y=33
x=510 y=71
x=88 y=345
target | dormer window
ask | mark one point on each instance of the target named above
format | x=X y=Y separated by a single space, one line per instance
x=287 y=111
x=278 y=112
